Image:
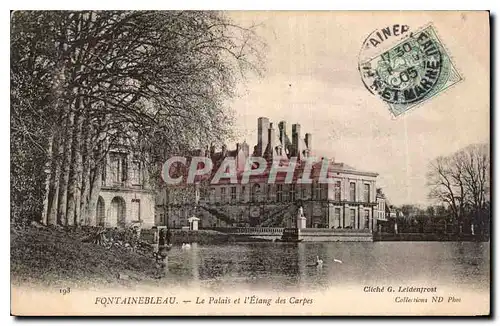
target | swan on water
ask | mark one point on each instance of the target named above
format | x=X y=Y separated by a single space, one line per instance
x=186 y=246
x=319 y=262
x=337 y=261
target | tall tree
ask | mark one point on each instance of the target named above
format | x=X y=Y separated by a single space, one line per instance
x=82 y=82
x=462 y=181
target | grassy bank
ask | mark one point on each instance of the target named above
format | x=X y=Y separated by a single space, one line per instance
x=57 y=257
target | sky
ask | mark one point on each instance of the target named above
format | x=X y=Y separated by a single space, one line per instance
x=311 y=77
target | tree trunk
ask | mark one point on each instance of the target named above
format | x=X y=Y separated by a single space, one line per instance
x=62 y=218
x=96 y=182
x=49 y=172
x=74 y=186
x=57 y=148
x=87 y=156
x=55 y=180
x=79 y=174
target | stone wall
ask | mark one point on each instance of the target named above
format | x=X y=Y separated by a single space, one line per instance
x=141 y=199
x=319 y=214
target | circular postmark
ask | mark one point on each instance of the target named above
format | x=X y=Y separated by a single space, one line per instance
x=404 y=71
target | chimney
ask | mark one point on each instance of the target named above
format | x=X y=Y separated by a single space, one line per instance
x=237 y=148
x=270 y=151
x=297 y=150
x=282 y=128
x=245 y=149
x=262 y=127
x=224 y=150
x=309 y=142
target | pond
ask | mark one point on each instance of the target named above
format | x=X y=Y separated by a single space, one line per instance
x=291 y=267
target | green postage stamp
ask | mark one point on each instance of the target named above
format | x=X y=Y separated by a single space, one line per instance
x=411 y=72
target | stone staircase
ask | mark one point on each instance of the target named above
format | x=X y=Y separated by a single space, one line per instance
x=276 y=217
x=218 y=214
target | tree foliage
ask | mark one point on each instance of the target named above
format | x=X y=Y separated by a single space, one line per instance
x=82 y=82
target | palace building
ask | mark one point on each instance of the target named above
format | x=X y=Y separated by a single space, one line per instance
x=126 y=195
x=348 y=200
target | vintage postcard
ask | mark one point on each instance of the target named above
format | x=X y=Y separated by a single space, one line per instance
x=176 y=163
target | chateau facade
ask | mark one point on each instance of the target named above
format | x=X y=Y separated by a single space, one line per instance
x=126 y=195
x=348 y=200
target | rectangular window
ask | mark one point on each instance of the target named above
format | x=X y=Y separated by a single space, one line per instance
x=352 y=222
x=352 y=191
x=135 y=210
x=118 y=168
x=242 y=194
x=316 y=190
x=324 y=191
x=367 y=219
x=233 y=194
x=279 y=193
x=337 y=188
x=212 y=195
x=203 y=194
x=337 y=218
x=366 y=193
x=304 y=194
x=268 y=192
x=223 y=195
x=255 y=193
x=124 y=168
x=135 y=177
x=115 y=169
x=285 y=192
x=292 y=192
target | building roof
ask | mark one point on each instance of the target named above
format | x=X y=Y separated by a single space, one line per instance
x=278 y=151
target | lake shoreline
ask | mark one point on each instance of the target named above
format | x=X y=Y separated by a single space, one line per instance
x=215 y=237
x=429 y=237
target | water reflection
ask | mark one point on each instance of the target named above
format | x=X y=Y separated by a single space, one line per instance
x=286 y=266
x=301 y=262
x=195 y=264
